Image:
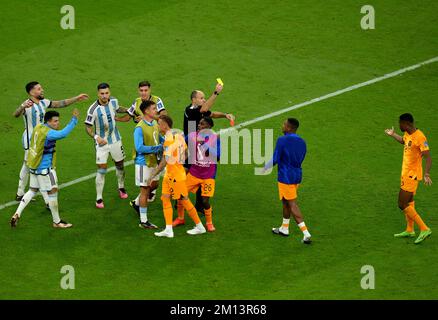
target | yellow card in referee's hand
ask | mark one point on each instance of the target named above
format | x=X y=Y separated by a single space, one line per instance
x=219 y=81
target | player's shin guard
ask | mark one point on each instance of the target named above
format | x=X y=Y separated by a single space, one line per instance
x=412 y=213
x=53 y=204
x=25 y=201
x=120 y=172
x=24 y=178
x=168 y=212
x=193 y=214
x=180 y=208
x=100 y=182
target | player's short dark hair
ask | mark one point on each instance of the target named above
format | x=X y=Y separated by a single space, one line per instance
x=293 y=123
x=146 y=105
x=209 y=121
x=144 y=84
x=49 y=115
x=103 y=85
x=166 y=119
x=193 y=94
x=407 y=117
x=31 y=85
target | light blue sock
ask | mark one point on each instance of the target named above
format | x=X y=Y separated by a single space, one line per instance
x=143 y=214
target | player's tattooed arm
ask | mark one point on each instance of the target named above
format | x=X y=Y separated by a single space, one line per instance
x=391 y=133
x=157 y=170
x=125 y=118
x=427 y=179
x=122 y=110
x=67 y=102
x=20 y=110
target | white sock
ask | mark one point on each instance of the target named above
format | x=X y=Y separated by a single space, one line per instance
x=53 y=204
x=137 y=200
x=100 y=182
x=25 y=201
x=169 y=228
x=143 y=214
x=285 y=226
x=120 y=177
x=305 y=231
x=24 y=177
x=45 y=196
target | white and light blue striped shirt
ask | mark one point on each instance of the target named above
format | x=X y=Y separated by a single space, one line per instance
x=102 y=118
x=32 y=117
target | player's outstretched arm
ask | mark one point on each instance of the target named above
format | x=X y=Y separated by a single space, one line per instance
x=61 y=134
x=391 y=133
x=139 y=143
x=218 y=114
x=67 y=102
x=20 y=110
x=427 y=179
x=125 y=118
x=209 y=103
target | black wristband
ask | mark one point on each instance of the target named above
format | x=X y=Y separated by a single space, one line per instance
x=216 y=93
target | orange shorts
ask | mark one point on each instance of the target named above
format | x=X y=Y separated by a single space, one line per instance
x=207 y=185
x=287 y=191
x=177 y=189
x=409 y=184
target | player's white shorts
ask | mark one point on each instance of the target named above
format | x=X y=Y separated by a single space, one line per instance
x=142 y=175
x=44 y=182
x=115 y=149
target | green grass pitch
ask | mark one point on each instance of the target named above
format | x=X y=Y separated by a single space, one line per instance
x=270 y=54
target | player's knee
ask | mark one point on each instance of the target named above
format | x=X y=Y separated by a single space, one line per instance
x=53 y=191
x=102 y=170
x=402 y=204
x=119 y=165
x=206 y=202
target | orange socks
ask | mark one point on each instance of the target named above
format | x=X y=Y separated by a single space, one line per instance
x=409 y=221
x=208 y=217
x=168 y=211
x=412 y=214
x=180 y=208
x=193 y=214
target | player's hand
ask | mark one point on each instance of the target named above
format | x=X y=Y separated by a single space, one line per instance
x=75 y=113
x=138 y=118
x=100 y=141
x=82 y=96
x=390 y=132
x=427 y=180
x=27 y=104
x=230 y=117
x=218 y=88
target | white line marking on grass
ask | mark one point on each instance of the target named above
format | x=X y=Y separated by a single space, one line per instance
x=272 y=114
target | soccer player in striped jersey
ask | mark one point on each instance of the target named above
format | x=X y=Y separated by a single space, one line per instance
x=134 y=112
x=42 y=162
x=289 y=154
x=101 y=126
x=33 y=110
x=174 y=181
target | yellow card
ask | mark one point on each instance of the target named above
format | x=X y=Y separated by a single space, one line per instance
x=219 y=81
